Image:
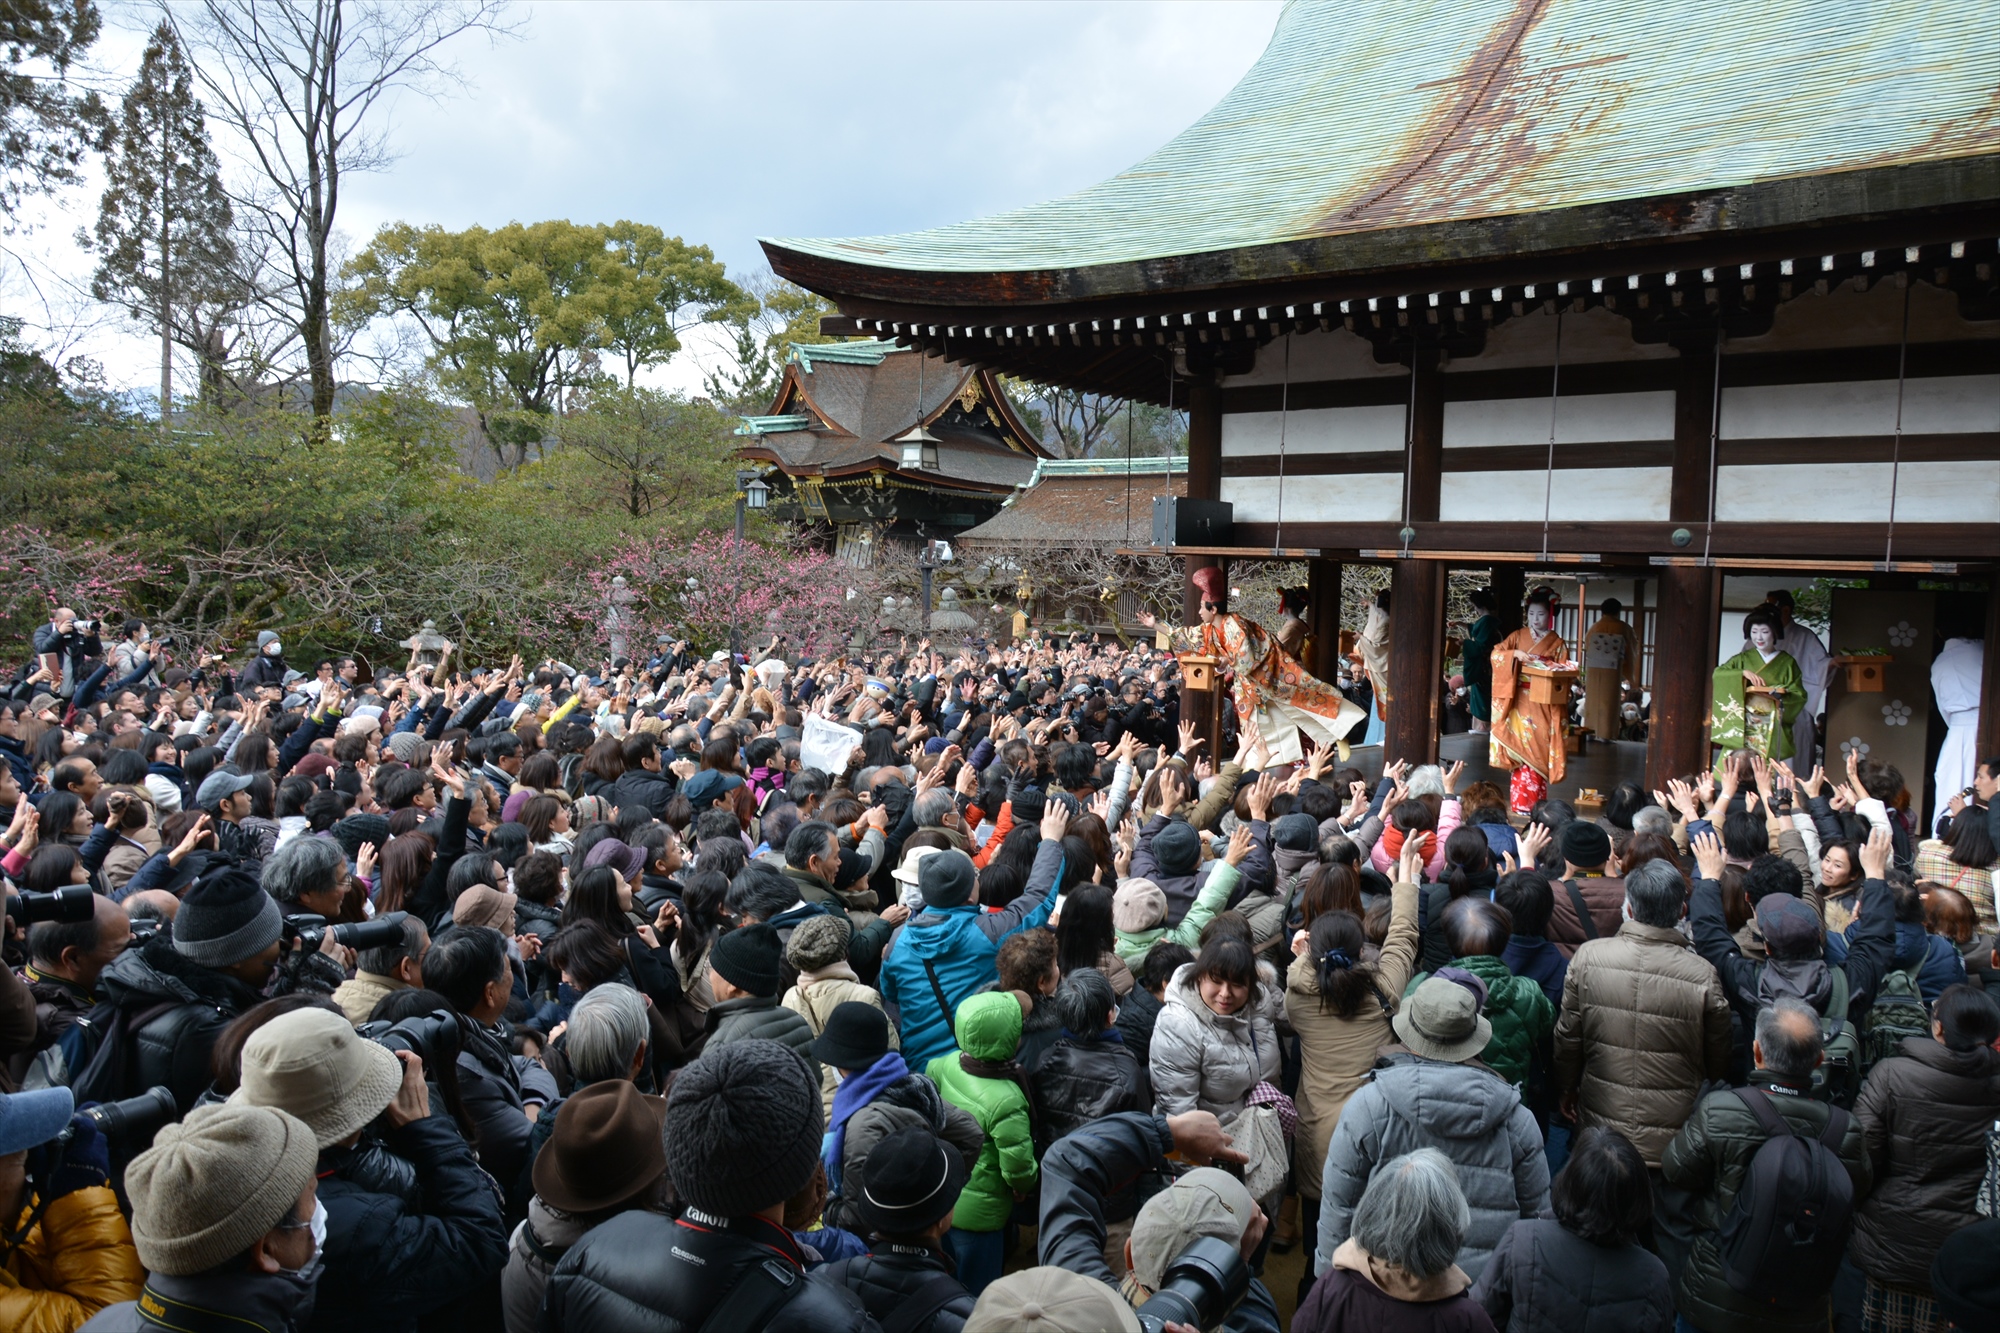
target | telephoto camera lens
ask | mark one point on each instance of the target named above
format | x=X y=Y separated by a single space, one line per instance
x=142 y=1115
x=1200 y=1287
x=360 y=935
x=70 y=903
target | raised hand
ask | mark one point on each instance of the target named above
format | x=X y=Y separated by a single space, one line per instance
x=1055 y=821
x=1452 y=775
x=1262 y=793
x=1708 y=855
x=1534 y=840
x=1875 y=852
x=1240 y=843
x=1189 y=741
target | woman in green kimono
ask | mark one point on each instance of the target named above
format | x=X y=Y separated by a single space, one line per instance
x=1758 y=720
x=1480 y=640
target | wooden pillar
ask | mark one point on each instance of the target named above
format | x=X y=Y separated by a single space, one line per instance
x=1989 y=678
x=1684 y=649
x=1694 y=421
x=1510 y=590
x=1416 y=647
x=1426 y=461
x=1683 y=667
x=1204 y=477
x=1323 y=617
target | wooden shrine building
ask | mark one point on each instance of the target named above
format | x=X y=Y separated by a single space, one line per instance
x=1671 y=290
x=877 y=443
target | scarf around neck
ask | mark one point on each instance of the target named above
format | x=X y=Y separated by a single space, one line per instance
x=855 y=1092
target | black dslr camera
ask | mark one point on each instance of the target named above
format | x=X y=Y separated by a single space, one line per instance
x=311 y=929
x=135 y=1119
x=435 y=1037
x=68 y=904
x=1200 y=1287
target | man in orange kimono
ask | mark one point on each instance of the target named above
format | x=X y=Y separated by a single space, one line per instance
x=1528 y=737
x=1271 y=685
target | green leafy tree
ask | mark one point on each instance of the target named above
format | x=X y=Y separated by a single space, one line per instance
x=46 y=124
x=781 y=316
x=163 y=224
x=512 y=315
x=653 y=448
x=668 y=286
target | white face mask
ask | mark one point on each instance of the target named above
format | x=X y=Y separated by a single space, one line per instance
x=275 y=648
x=310 y=1269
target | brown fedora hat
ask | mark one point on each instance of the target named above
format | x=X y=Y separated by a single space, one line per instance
x=606 y=1148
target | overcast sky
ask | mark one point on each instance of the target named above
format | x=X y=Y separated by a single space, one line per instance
x=725 y=122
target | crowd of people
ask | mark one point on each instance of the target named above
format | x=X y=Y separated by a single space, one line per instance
x=610 y=998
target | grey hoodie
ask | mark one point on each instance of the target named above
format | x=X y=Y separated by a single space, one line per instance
x=1467 y=1112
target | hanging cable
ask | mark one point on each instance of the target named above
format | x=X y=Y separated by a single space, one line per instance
x=1896 y=442
x=1714 y=441
x=1409 y=448
x=1284 y=414
x=1555 y=397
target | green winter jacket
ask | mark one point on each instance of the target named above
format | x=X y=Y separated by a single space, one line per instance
x=1133 y=944
x=1520 y=1012
x=989 y=1028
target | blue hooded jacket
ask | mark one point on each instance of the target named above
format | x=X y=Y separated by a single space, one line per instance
x=1943 y=965
x=961 y=945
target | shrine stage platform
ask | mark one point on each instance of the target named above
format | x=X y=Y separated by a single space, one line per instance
x=1601 y=765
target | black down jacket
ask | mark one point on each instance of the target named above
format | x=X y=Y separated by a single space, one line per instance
x=388 y=1262
x=1084 y=1080
x=895 y=1275
x=1544 y=1278
x=648 y=1273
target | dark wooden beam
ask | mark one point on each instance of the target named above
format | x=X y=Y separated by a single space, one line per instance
x=1694 y=427
x=1964 y=543
x=1323 y=617
x=1510 y=592
x=1677 y=738
x=1426 y=442
x=1204 y=477
x=1416 y=649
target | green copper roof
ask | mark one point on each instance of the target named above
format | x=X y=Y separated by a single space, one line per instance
x=860 y=353
x=774 y=425
x=1366 y=115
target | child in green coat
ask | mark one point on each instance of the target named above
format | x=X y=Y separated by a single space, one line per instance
x=982 y=1078
x=1139 y=908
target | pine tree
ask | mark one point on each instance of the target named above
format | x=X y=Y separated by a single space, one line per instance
x=163 y=225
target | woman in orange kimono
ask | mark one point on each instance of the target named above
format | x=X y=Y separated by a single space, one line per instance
x=1270 y=684
x=1527 y=737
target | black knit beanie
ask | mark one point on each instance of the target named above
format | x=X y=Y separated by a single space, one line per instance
x=225 y=918
x=743 y=1128
x=747 y=958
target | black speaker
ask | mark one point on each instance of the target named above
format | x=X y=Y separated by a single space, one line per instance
x=1179 y=521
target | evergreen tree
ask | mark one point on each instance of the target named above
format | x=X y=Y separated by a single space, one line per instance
x=163 y=225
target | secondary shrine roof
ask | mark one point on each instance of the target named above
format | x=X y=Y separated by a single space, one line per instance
x=1366 y=117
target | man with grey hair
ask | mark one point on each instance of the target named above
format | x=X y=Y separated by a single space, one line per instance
x=384 y=970
x=1653 y=819
x=1644 y=1023
x=606 y=1037
x=1407 y=1231
x=1710 y=1158
x=307 y=875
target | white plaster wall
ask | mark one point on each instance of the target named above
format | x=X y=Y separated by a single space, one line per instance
x=1933 y=406
x=1857 y=493
x=1580 y=419
x=1319 y=430
x=1369 y=497
x=1333 y=354
x=1612 y=494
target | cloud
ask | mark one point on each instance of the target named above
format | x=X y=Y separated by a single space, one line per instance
x=725 y=122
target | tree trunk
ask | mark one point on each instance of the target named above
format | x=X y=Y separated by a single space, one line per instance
x=166 y=289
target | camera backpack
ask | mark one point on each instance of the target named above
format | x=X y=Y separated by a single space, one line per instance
x=1787 y=1228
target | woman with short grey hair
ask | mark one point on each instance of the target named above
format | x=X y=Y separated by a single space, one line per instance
x=606 y=1036
x=1397 y=1272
